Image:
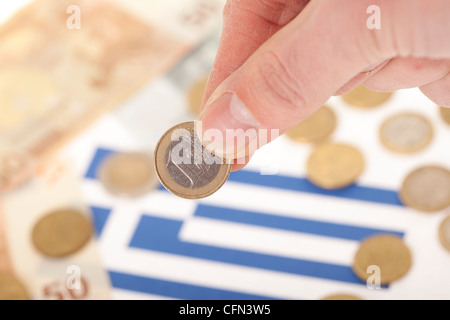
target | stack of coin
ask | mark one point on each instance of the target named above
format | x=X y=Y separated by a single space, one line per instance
x=316 y=128
x=444 y=233
x=186 y=170
x=334 y=165
x=445 y=113
x=406 y=133
x=61 y=233
x=195 y=94
x=387 y=252
x=362 y=97
x=427 y=189
x=128 y=174
x=12 y=288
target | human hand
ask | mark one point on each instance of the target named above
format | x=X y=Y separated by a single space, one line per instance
x=281 y=60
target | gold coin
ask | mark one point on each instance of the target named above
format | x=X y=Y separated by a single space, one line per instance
x=61 y=233
x=334 y=165
x=427 y=189
x=11 y=288
x=23 y=93
x=128 y=174
x=316 y=128
x=406 y=133
x=185 y=167
x=445 y=113
x=341 y=296
x=195 y=94
x=365 y=98
x=444 y=233
x=388 y=252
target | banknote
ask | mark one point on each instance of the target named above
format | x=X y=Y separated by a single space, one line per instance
x=64 y=63
x=76 y=276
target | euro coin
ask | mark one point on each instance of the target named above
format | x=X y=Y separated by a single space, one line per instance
x=427 y=189
x=61 y=233
x=362 y=97
x=444 y=233
x=195 y=94
x=128 y=174
x=341 y=296
x=445 y=113
x=316 y=128
x=12 y=288
x=388 y=253
x=334 y=165
x=185 y=167
x=406 y=133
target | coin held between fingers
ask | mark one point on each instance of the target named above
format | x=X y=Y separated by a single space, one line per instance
x=185 y=167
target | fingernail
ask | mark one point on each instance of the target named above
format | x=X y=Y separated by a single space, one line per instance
x=229 y=129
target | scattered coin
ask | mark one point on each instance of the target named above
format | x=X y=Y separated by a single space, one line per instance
x=365 y=98
x=341 y=296
x=195 y=94
x=427 y=189
x=444 y=233
x=316 y=128
x=11 y=288
x=334 y=165
x=445 y=113
x=185 y=167
x=406 y=133
x=128 y=174
x=388 y=252
x=61 y=233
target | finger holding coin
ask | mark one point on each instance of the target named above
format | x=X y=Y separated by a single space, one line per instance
x=185 y=167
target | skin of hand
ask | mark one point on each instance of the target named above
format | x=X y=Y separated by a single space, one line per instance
x=280 y=60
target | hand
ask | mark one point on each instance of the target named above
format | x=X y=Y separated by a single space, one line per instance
x=281 y=60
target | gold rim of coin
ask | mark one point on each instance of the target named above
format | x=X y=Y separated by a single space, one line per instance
x=11 y=288
x=128 y=174
x=334 y=165
x=362 y=97
x=421 y=192
x=168 y=181
x=342 y=296
x=406 y=139
x=445 y=114
x=444 y=233
x=317 y=128
x=388 y=252
x=195 y=94
x=61 y=233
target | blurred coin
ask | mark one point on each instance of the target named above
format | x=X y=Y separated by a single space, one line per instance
x=427 y=189
x=128 y=174
x=195 y=94
x=406 y=133
x=445 y=113
x=61 y=233
x=365 y=98
x=11 y=288
x=185 y=167
x=341 y=296
x=23 y=93
x=316 y=128
x=334 y=165
x=388 y=252
x=444 y=233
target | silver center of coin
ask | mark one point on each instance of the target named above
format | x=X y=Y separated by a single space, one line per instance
x=429 y=186
x=406 y=131
x=189 y=164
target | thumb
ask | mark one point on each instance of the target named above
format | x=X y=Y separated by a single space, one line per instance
x=290 y=76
